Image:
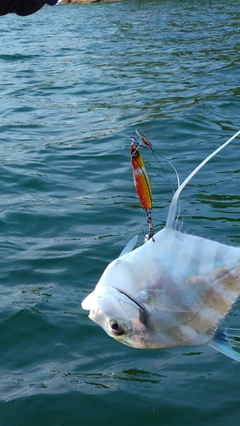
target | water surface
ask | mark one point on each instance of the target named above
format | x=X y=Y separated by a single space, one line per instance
x=76 y=82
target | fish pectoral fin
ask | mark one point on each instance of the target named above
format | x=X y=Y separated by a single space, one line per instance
x=130 y=246
x=227 y=341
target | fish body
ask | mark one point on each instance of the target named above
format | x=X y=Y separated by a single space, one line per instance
x=175 y=290
x=160 y=300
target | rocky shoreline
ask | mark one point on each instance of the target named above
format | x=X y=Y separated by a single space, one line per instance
x=87 y=1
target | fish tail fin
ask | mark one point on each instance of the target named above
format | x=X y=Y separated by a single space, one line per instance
x=227 y=341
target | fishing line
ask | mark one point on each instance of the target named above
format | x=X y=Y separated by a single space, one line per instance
x=143 y=188
x=147 y=144
x=171 y=219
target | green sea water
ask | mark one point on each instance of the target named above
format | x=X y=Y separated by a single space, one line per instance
x=76 y=82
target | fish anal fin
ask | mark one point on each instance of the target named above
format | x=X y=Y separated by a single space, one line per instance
x=227 y=343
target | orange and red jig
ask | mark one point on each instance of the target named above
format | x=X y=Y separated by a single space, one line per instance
x=141 y=182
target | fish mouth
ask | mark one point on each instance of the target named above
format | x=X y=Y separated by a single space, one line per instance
x=88 y=302
x=143 y=313
x=91 y=303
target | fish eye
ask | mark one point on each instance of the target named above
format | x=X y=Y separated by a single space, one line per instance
x=116 y=327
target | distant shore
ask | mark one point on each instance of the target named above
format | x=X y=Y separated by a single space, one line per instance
x=87 y=1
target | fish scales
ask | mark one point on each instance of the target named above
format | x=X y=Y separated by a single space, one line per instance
x=175 y=290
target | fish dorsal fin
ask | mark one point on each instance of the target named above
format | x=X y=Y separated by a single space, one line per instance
x=130 y=246
x=171 y=219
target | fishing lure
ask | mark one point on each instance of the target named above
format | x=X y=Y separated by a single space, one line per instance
x=145 y=142
x=178 y=290
x=140 y=177
x=142 y=183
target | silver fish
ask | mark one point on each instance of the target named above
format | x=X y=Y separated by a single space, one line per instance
x=174 y=290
